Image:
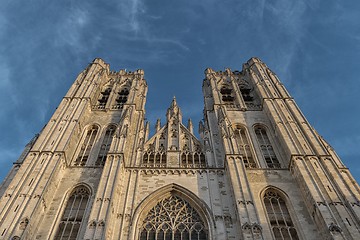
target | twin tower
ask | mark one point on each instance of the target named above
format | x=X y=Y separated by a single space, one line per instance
x=258 y=171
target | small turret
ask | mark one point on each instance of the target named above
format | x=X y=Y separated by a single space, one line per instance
x=201 y=129
x=190 y=126
x=157 y=125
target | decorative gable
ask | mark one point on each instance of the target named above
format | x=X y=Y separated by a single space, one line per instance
x=173 y=145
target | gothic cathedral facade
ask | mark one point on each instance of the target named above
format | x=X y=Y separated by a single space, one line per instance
x=258 y=170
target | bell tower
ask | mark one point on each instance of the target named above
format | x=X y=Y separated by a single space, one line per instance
x=276 y=160
x=77 y=155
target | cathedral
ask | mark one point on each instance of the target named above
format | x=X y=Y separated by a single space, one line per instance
x=256 y=169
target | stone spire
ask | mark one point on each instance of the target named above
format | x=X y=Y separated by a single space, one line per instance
x=174 y=112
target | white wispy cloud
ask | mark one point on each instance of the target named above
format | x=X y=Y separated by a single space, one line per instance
x=135 y=11
x=70 y=28
x=290 y=21
x=129 y=13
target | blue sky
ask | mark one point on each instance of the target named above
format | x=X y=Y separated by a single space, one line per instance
x=313 y=46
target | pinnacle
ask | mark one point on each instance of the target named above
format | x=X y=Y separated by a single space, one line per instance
x=174 y=110
x=173 y=103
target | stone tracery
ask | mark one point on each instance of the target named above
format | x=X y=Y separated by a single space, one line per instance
x=279 y=216
x=173 y=218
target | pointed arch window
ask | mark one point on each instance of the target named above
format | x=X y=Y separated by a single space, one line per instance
x=249 y=95
x=226 y=94
x=266 y=148
x=73 y=214
x=154 y=159
x=122 y=98
x=185 y=158
x=160 y=159
x=148 y=159
x=246 y=93
x=279 y=216
x=104 y=98
x=192 y=159
x=105 y=146
x=86 y=146
x=244 y=147
x=173 y=218
x=246 y=90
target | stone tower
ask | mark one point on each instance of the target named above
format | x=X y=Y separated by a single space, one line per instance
x=257 y=171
